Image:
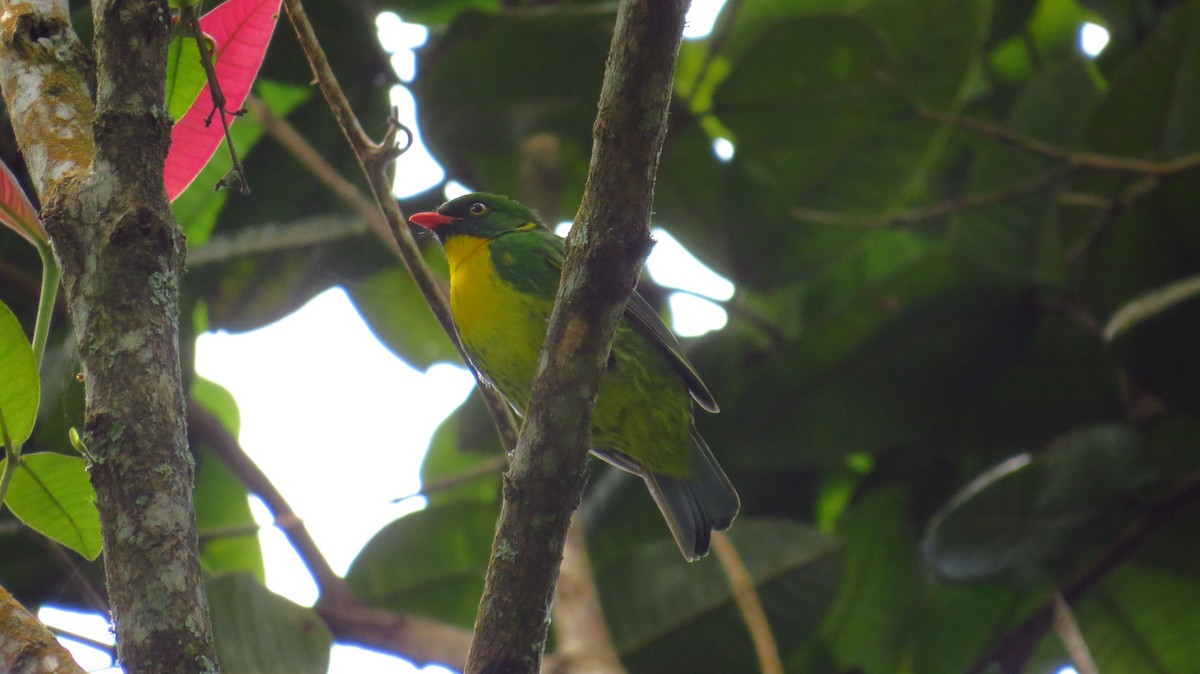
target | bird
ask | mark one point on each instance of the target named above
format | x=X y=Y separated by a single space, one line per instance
x=505 y=266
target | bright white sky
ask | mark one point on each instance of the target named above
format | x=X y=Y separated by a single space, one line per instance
x=320 y=397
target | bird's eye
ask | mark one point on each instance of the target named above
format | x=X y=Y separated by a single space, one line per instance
x=477 y=209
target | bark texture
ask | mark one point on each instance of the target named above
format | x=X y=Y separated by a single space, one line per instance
x=26 y=646
x=605 y=252
x=99 y=175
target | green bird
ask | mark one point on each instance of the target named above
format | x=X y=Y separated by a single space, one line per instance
x=505 y=267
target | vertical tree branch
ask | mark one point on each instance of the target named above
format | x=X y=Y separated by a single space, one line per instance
x=605 y=251
x=99 y=173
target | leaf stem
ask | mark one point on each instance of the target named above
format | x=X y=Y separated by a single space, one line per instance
x=41 y=327
x=12 y=454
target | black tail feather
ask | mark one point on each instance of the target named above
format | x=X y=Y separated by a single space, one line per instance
x=696 y=505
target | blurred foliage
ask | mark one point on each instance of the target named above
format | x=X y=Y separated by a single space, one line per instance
x=918 y=302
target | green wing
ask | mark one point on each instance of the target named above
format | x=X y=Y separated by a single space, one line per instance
x=644 y=318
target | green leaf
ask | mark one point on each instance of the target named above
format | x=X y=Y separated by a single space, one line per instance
x=52 y=494
x=465 y=441
x=1021 y=234
x=934 y=44
x=666 y=615
x=430 y=562
x=259 y=632
x=902 y=347
x=1136 y=621
x=20 y=385
x=1154 y=241
x=477 y=109
x=185 y=74
x=869 y=625
x=222 y=501
x=399 y=316
x=958 y=623
x=1028 y=507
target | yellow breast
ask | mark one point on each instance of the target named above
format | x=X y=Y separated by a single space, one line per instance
x=500 y=328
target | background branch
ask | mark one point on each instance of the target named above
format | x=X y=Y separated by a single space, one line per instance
x=26 y=646
x=749 y=605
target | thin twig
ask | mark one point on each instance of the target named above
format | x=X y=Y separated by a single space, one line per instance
x=749 y=605
x=1116 y=206
x=1071 y=637
x=350 y=620
x=938 y=210
x=189 y=23
x=373 y=159
x=490 y=467
x=1084 y=160
x=202 y=423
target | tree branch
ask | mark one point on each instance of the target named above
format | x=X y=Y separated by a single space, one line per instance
x=968 y=202
x=605 y=252
x=26 y=646
x=99 y=175
x=1083 y=160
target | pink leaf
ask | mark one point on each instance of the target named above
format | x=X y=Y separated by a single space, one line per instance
x=16 y=211
x=242 y=30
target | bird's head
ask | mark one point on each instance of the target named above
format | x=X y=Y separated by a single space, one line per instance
x=481 y=215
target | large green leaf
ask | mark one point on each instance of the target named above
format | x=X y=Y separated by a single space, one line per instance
x=668 y=616
x=430 y=562
x=833 y=131
x=1154 y=241
x=222 y=501
x=885 y=365
x=958 y=623
x=1136 y=621
x=870 y=624
x=259 y=632
x=19 y=382
x=1029 y=507
x=53 y=494
x=465 y=442
x=1021 y=233
x=400 y=317
x=934 y=44
x=476 y=109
